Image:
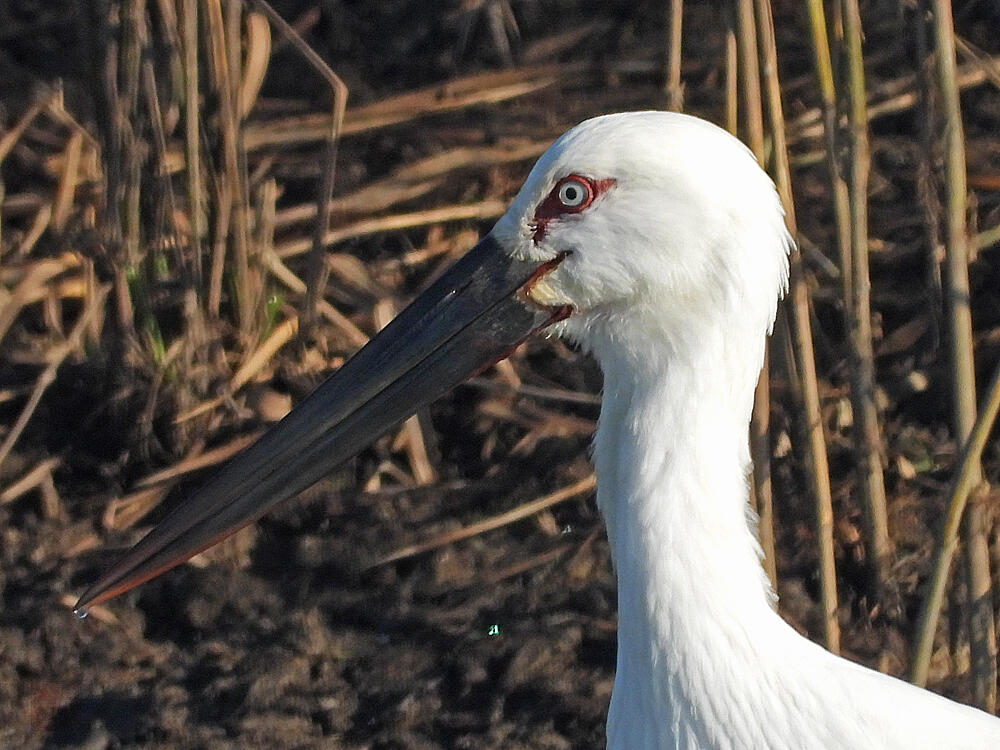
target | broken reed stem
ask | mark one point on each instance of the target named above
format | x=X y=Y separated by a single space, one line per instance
x=967 y=478
x=982 y=627
x=867 y=439
x=672 y=75
x=760 y=444
x=801 y=339
x=838 y=187
x=318 y=271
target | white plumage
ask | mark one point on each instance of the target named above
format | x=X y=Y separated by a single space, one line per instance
x=674 y=273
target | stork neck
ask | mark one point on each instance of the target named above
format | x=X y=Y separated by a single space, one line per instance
x=671 y=458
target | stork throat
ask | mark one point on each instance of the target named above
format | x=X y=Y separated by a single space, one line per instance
x=538 y=292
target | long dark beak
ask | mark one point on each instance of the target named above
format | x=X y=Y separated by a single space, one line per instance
x=471 y=317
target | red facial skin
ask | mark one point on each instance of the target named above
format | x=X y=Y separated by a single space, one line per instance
x=553 y=207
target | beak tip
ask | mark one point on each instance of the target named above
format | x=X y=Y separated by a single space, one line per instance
x=82 y=607
x=95 y=594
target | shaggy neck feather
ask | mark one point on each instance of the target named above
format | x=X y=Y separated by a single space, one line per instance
x=672 y=459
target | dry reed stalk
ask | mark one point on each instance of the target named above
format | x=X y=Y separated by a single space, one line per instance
x=760 y=444
x=464 y=157
x=801 y=340
x=29 y=481
x=164 y=187
x=989 y=65
x=536 y=392
x=13 y=135
x=22 y=204
x=38 y=226
x=749 y=78
x=32 y=286
x=552 y=45
x=125 y=512
x=535 y=418
x=927 y=192
x=982 y=627
x=459 y=93
x=350 y=332
x=828 y=113
x=987 y=238
x=892 y=97
x=224 y=49
x=221 y=207
x=535 y=561
x=318 y=272
x=197 y=460
x=55 y=108
x=412 y=440
x=732 y=77
x=372 y=198
x=54 y=358
x=3 y=195
x=867 y=438
x=66 y=190
x=672 y=85
x=410 y=437
x=254 y=362
x=966 y=480
x=192 y=148
x=264 y=219
x=416 y=179
x=280 y=335
x=522 y=511
x=128 y=165
x=487 y=209
x=39 y=478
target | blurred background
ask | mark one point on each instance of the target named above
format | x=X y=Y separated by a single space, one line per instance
x=206 y=206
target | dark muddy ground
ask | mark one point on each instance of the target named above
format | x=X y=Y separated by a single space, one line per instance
x=506 y=640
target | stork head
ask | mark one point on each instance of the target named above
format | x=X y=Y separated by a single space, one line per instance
x=629 y=223
x=662 y=220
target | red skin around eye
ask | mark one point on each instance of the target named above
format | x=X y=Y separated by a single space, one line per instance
x=552 y=208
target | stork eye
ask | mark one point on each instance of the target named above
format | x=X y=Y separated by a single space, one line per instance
x=574 y=192
x=571 y=195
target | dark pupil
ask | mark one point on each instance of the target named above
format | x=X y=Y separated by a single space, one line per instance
x=571 y=195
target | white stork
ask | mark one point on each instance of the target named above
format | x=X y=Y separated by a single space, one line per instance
x=656 y=242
